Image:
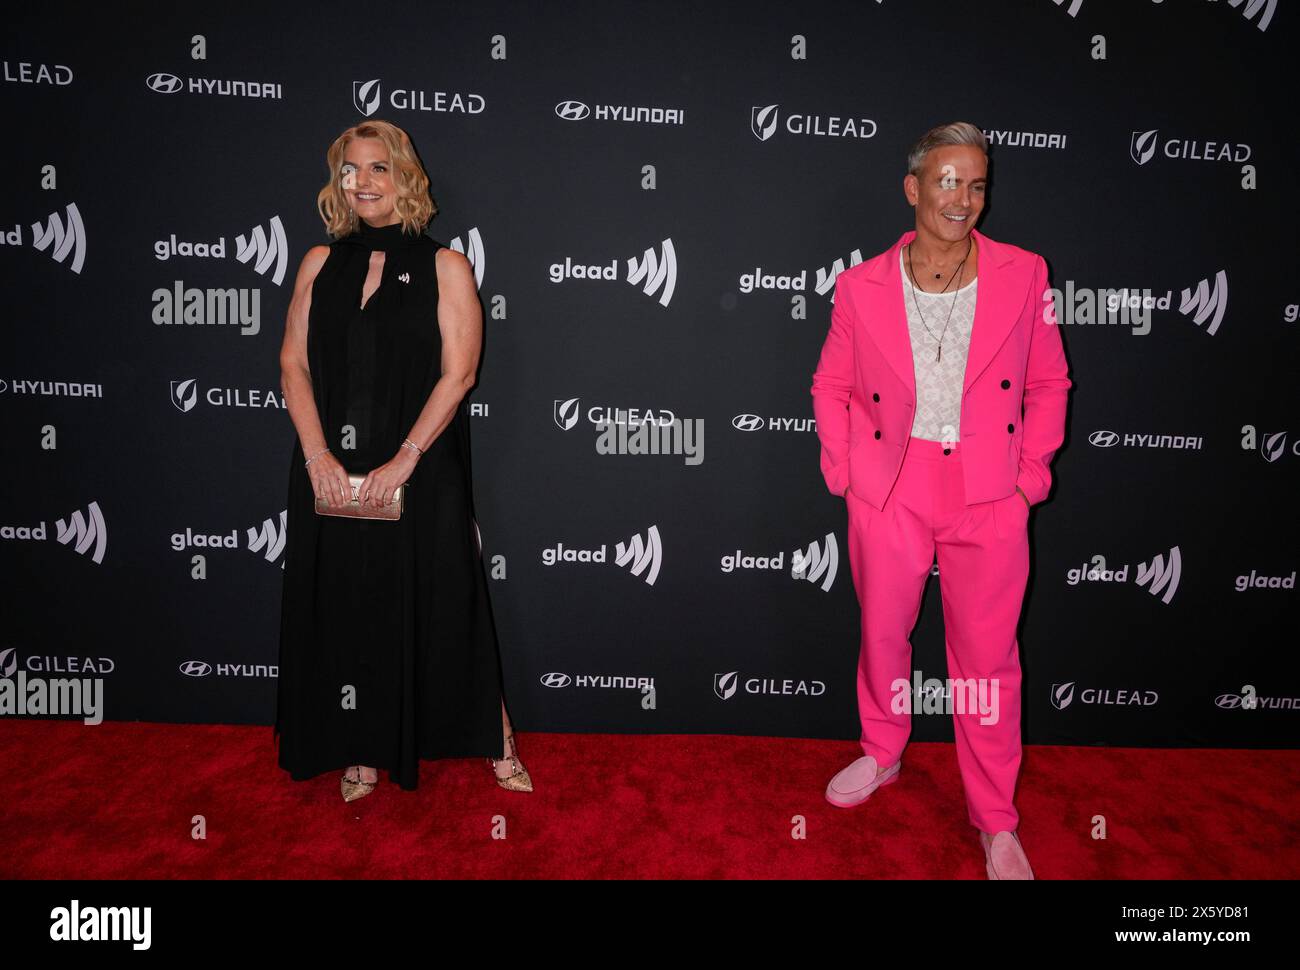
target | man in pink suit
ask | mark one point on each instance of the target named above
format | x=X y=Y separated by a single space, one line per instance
x=940 y=399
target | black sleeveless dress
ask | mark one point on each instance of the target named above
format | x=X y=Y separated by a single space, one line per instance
x=398 y=611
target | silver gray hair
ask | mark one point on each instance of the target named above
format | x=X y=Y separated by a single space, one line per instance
x=953 y=133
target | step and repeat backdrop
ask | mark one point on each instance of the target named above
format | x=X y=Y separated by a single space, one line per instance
x=656 y=199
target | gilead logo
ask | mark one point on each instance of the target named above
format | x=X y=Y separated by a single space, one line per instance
x=726 y=685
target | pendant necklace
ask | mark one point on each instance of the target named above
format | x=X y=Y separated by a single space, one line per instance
x=939 y=353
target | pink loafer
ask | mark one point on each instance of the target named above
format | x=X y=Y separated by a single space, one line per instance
x=854 y=784
x=1004 y=858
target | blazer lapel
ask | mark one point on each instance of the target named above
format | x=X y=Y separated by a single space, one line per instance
x=885 y=319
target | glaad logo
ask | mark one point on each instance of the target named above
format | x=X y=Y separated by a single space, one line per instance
x=1063 y=696
x=655 y=270
x=1073 y=9
x=1253 y=7
x=765 y=119
x=826 y=277
x=1109 y=439
x=473 y=251
x=1142 y=148
x=1204 y=303
x=726 y=685
x=185 y=394
x=262 y=246
x=578 y=111
x=367 y=96
x=756 y=422
x=566 y=415
x=651 y=272
x=161 y=82
x=643 y=556
x=1161 y=576
x=817 y=562
x=81 y=531
x=265 y=248
x=809 y=564
x=268 y=539
x=1254 y=581
x=58 y=236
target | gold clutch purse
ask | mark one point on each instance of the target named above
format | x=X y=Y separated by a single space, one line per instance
x=355 y=510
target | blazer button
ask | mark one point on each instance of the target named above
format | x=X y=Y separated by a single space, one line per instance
x=1011 y=429
x=1006 y=385
x=875 y=397
x=947 y=451
x=877 y=435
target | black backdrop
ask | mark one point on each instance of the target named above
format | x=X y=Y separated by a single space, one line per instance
x=720 y=138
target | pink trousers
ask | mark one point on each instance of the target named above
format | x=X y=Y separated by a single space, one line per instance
x=983 y=557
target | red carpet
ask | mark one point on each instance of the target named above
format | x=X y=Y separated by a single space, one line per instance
x=117 y=801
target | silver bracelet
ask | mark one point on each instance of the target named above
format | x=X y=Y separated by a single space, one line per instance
x=408 y=443
x=314 y=457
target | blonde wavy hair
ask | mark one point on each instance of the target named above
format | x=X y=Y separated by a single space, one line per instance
x=415 y=206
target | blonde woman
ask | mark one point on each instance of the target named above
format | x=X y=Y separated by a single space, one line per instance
x=388 y=653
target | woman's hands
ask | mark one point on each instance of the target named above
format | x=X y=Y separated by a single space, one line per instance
x=329 y=480
x=380 y=484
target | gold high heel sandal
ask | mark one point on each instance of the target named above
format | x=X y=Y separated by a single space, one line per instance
x=518 y=779
x=352 y=790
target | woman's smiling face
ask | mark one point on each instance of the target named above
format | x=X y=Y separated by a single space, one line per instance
x=367 y=181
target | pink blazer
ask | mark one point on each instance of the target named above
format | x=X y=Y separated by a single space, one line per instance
x=1014 y=397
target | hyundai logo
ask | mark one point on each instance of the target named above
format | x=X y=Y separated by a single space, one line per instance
x=1103 y=439
x=196 y=668
x=1228 y=701
x=164 y=83
x=747 y=422
x=572 y=110
x=555 y=680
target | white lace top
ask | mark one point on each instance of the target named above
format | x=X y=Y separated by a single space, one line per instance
x=938 y=382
